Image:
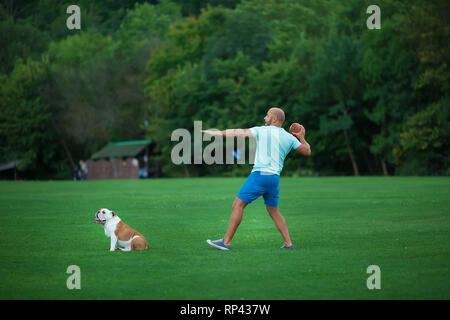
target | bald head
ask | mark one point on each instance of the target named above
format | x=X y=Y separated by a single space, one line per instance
x=278 y=114
x=275 y=116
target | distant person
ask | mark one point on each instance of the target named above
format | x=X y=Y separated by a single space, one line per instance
x=273 y=143
x=75 y=173
x=143 y=173
x=83 y=170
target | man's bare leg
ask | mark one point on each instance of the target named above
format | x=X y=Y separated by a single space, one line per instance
x=235 y=219
x=281 y=224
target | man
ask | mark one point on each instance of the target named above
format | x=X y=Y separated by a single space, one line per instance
x=83 y=170
x=273 y=143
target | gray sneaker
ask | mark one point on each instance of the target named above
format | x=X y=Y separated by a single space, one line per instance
x=219 y=244
x=288 y=247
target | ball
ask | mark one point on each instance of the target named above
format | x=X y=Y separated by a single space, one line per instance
x=295 y=127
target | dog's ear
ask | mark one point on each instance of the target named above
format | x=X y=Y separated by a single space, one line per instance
x=113 y=213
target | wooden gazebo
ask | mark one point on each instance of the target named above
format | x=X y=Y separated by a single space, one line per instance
x=119 y=160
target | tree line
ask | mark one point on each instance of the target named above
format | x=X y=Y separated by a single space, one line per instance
x=373 y=102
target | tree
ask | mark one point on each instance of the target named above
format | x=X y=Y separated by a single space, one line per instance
x=335 y=96
x=25 y=130
x=388 y=68
x=143 y=25
x=79 y=93
x=424 y=143
x=176 y=86
x=406 y=70
x=19 y=40
x=242 y=32
x=193 y=7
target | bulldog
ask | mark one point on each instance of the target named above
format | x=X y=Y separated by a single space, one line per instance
x=120 y=233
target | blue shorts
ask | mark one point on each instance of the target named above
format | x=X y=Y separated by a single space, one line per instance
x=261 y=184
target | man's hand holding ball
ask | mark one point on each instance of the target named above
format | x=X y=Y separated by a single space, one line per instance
x=297 y=130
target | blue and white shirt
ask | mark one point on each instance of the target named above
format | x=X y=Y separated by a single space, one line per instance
x=272 y=146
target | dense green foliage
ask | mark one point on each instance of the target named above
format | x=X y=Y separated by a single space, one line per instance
x=372 y=101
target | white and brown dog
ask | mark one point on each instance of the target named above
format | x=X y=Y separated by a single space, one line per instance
x=120 y=233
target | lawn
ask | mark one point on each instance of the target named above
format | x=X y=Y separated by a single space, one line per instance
x=339 y=227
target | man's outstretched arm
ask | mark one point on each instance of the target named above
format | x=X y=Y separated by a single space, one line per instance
x=229 y=133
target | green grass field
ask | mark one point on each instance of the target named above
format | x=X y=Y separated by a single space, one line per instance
x=339 y=226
